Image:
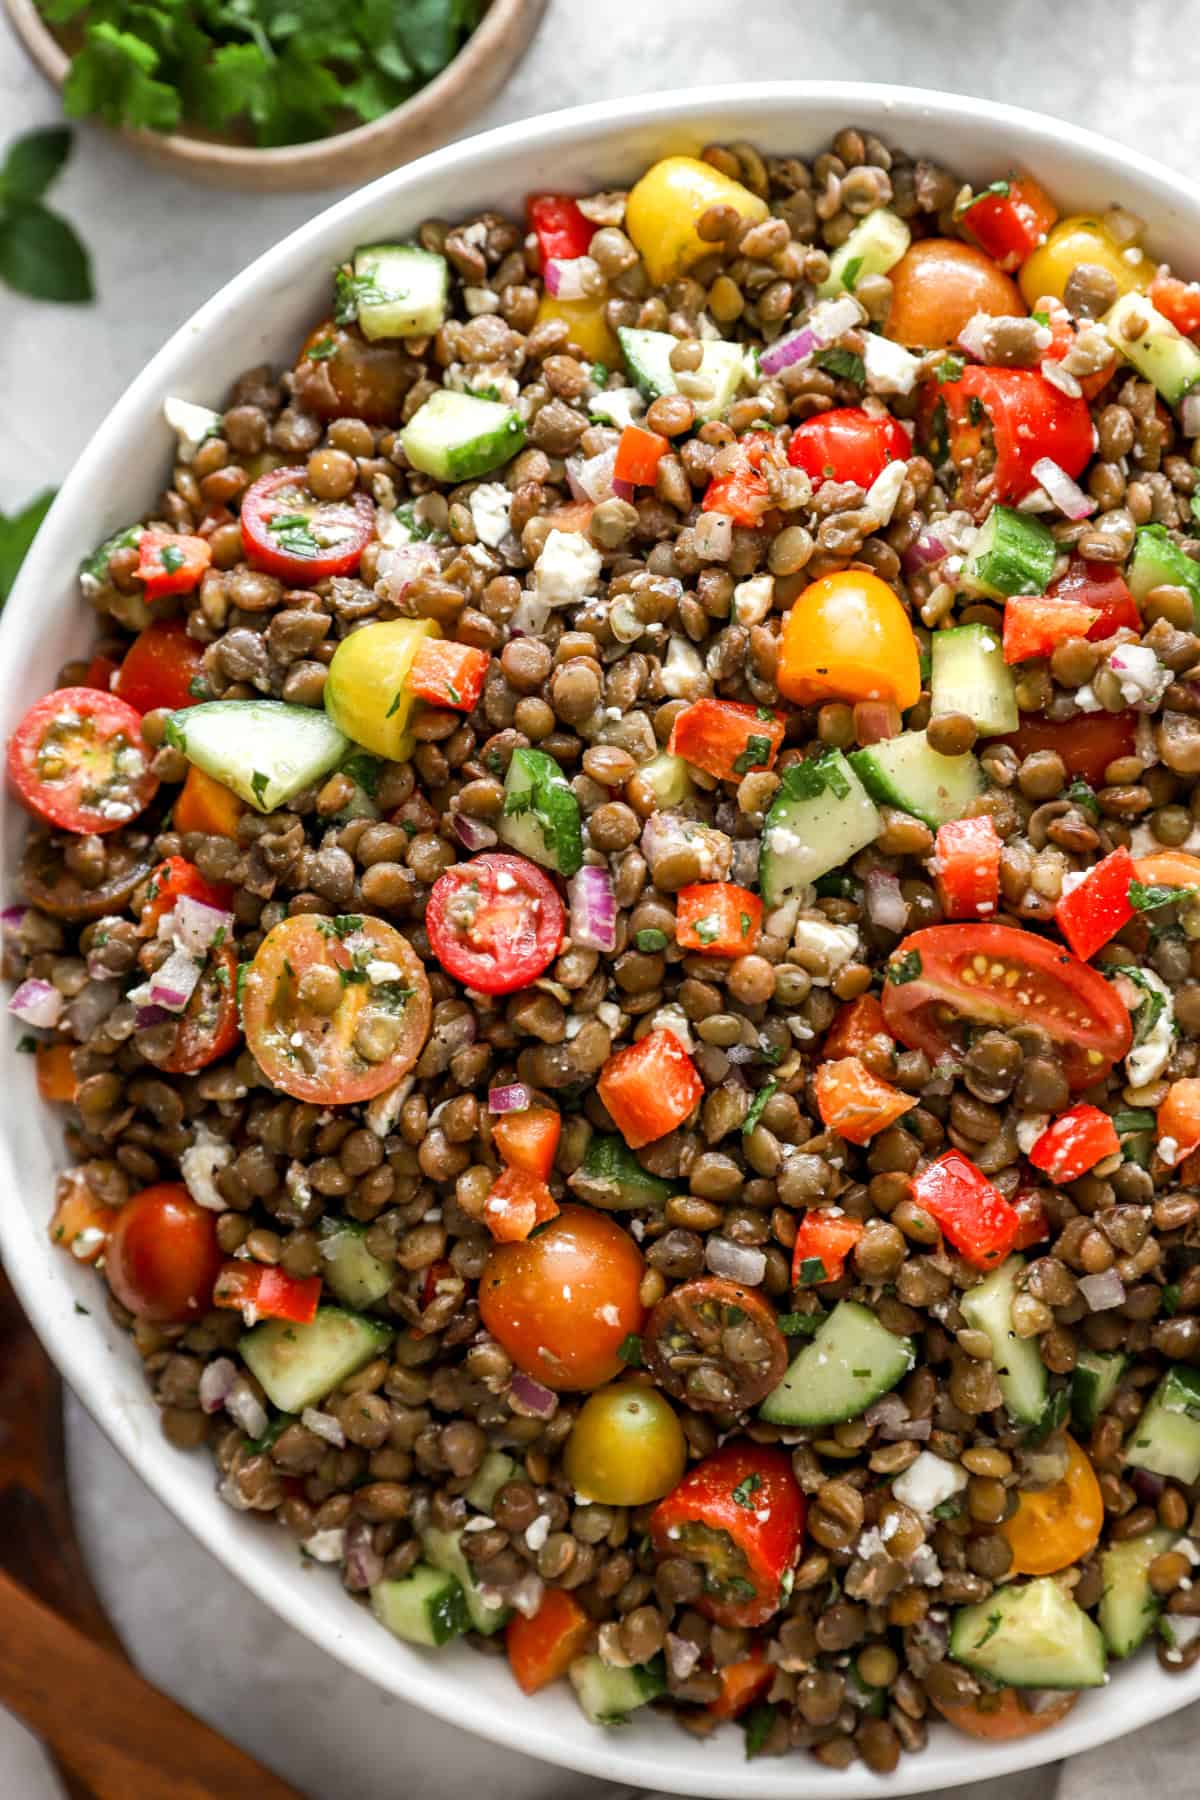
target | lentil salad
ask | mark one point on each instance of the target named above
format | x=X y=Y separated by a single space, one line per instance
x=857 y=1174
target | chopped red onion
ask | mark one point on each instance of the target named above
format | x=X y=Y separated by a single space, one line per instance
x=591 y=477
x=197 y=925
x=535 y=1399
x=890 y=1413
x=917 y=1429
x=172 y=986
x=736 y=1262
x=925 y=550
x=564 y=277
x=976 y=336
x=825 y=324
x=147 y=1016
x=216 y=1383
x=1103 y=1292
x=1066 y=494
x=1189 y=414
x=246 y=1409
x=623 y=490
x=886 y=905
x=37 y=1003
x=324 y=1425
x=682 y=1656
x=364 y=1565
x=516 y=1097
x=399 y=565
x=13 y=917
x=593 y=907
x=472 y=834
x=1147 y=1486
x=876 y=720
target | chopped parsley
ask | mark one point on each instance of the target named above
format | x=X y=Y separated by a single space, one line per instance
x=171 y=558
x=322 y=351
x=800 y=1324
x=351 y=291
x=198 y=688
x=630 y=1351
x=950 y=368
x=755 y=756
x=260 y=783
x=904 y=968
x=949 y=1509
x=758 y=1725
x=364 y=770
x=599 y=373
x=1170 y=1299
x=745 y=1490
x=1144 y=896
x=812 y=1272
x=26 y=1044
x=994 y=1622
x=292 y=532
x=846 y=365
x=1083 y=795
x=708 y=929
x=758 y=1106
x=851 y=273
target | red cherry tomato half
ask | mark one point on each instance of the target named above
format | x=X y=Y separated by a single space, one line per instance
x=1087 y=743
x=999 y=423
x=847 y=444
x=160 y=667
x=162 y=1256
x=495 y=923
x=78 y=758
x=207 y=1028
x=1103 y=587
x=290 y=533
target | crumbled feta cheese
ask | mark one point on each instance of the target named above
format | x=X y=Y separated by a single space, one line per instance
x=620 y=406
x=1147 y=1060
x=1030 y=1129
x=1074 y=878
x=890 y=368
x=884 y=491
x=1187 y=1546
x=1168 y=1149
x=1143 y=679
x=568 y=569
x=480 y=300
x=326 y=1546
x=1085 y=699
x=190 y=423
x=929 y=1482
x=753 y=599
x=830 y=946
x=1180 y=1631
x=199 y=1164
x=924 y=1566
x=683 y=676
x=383 y=1111
x=870 y=1543
x=609 y=1013
x=379 y=971
x=537 y=1533
x=675 y=1020
x=490 y=503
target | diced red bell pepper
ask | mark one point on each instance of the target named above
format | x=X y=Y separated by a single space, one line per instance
x=1178 y=301
x=1087 y=743
x=727 y=738
x=858 y=1023
x=1098 y=585
x=639 y=453
x=561 y=229
x=1075 y=1143
x=970 y=1212
x=542 y=1649
x=1010 y=219
x=442 y=1271
x=739 y=489
x=161 y=668
x=171 y=562
x=259 y=1291
x=967 y=860
x=855 y=1103
x=742 y=1683
x=1098 y=906
x=1035 y=1225
x=717 y=918
x=1035 y=623
x=529 y=1140
x=740 y=1513
x=517 y=1204
x=650 y=1087
x=448 y=674
x=176 y=879
x=824 y=1239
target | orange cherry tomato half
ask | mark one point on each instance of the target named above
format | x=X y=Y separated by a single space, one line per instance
x=163 y=1257
x=563 y=1302
x=347 y=1033
x=937 y=285
x=78 y=758
x=848 y=638
x=292 y=534
x=1003 y=1716
x=1054 y=1527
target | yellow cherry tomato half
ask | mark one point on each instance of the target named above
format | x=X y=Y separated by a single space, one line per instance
x=366 y=690
x=586 y=321
x=1076 y=240
x=848 y=638
x=1053 y=1527
x=937 y=285
x=626 y=1447
x=667 y=204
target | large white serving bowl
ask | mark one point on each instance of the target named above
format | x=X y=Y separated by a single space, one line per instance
x=262 y=316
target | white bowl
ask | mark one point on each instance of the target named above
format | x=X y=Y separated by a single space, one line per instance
x=262 y=316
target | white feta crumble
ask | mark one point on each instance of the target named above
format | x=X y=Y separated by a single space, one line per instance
x=753 y=599
x=567 y=571
x=1074 y=878
x=929 y=1483
x=199 y=1164
x=191 y=424
x=683 y=676
x=479 y=300
x=832 y=945
x=490 y=505
x=675 y=1020
x=1151 y=1053
x=620 y=406
x=609 y=1013
x=1168 y=1149
x=1086 y=701
x=1143 y=679
x=870 y=1543
x=1030 y=1129
x=537 y=1532
x=890 y=368
x=884 y=491
x=326 y=1546
x=1182 y=1632
x=1187 y=1546
x=924 y=1566
x=380 y=970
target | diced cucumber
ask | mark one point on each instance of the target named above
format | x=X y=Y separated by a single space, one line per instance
x=1140 y=333
x=874 y=246
x=1166 y=1439
x=611 y=1177
x=971 y=676
x=1032 y=1636
x=1095 y=1380
x=1019 y=1369
x=494 y=1472
x=541 y=814
x=820 y=818
x=298 y=1365
x=668 y=778
x=905 y=772
x=1013 y=553
x=459 y=436
x=397 y=291
x=608 y=1695
x=427 y=1607
x=1128 y=1604
x=267 y=751
x=851 y=1361
x=722 y=372
x=1158 y=561
x=353 y=1275
x=443 y=1549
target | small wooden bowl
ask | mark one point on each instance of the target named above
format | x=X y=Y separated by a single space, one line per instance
x=434 y=114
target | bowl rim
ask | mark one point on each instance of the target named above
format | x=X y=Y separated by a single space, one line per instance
x=48 y=1301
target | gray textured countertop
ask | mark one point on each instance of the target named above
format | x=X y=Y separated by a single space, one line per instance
x=161 y=246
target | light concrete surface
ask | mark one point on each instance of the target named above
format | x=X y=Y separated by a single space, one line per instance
x=160 y=247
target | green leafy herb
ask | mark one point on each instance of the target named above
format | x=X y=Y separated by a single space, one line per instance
x=744 y=921
x=630 y=1351
x=949 y=1509
x=758 y=1725
x=599 y=373
x=171 y=557
x=1150 y=1008
x=323 y=351
x=364 y=771
x=1054 y=1415
x=800 y=1324
x=351 y=291
x=758 y=1106
x=26 y=1044
x=950 y=368
x=743 y=1493
x=708 y=929
x=1041 y=318
x=40 y=254
x=272 y=1434
x=650 y=939
x=397 y=703
x=837 y=886
x=994 y=1622
x=85 y=1310
x=846 y=365
x=975 y=410
x=17 y=534
x=812 y=1272
x=293 y=534
x=198 y=688
x=1194 y=506
x=851 y=272
x=1144 y=897
x=904 y=968
x=1083 y=795
x=259 y=782
x=1000 y=189
x=754 y=756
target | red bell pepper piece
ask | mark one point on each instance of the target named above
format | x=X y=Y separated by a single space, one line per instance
x=858 y=1023
x=967 y=860
x=542 y=1649
x=161 y=668
x=1178 y=301
x=1101 y=586
x=739 y=1513
x=517 y=1204
x=727 y=738
x=561 y=229
x=739 y=488
x=1075 y=1143
x=855 y=1103
x=639 y=453
x=262 y=1292
x=1035 y=1225
x=1010 y=219
x=171 y=562
x=974 y=1215
x=650 y=1087
x=742 y=1683
x=1026 y=417
x=824 y=1239
x=176 y=879
x=1035 y=623
x=717 y=918
x=529 y=1140
x=1087 y=744
x=448 y=674
x=848 y=444
x=1098 y=906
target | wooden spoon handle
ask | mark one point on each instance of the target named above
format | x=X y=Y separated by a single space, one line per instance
x=115 y=1732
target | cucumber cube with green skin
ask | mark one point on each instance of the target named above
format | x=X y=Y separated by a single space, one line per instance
x=611 y=1177
x=354 y=1276
x=1166 y=1439
x=1020 y=1371
x=1013 y=553
x=1139 y=332
x=494 y=1472
x=1158 y=561
x=456 y=437
x=907 y=772
x=1029 y=1635
x=427 y=1607
x=819 y=818
x=297 y=1365
x=267 y=751
x=608 y=1695
x=398 y=290
x=1129 y=1605
x=874 y=246
x=971 y=676
x=443 y=1550
x=851 y=1361
x=1094 y=1380
x=723 y=369
x=541 y=814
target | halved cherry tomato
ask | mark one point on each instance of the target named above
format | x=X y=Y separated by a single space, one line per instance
x=81 y=1223
x=1179 y=1119
x=207 y=1029
x=824 y=1239
x=160 y=668
x=639 y=453
x=1098 y=906
x=290 y=533
x=495 y=923
x=968 y=1210
x=938 y=284
x=1100 y=585
x=999 y=423
x=848 y=444
x=261 y=1291
x=163 y=1256
x=740 y=1515
x=726 y=738
x=171 y=881
x=1168 y=868
x=858 y=1023
x=56 y=1078
x=943 y=979
x=650 y=1087
x=855 y=1103
x=717 y=918
x=339 y=375
x=1064 y=332
x=742 y=1683
x=1034 y=624
x=1004 y=1716
x=79 y=759
x=207 y=805
x=1075 y=1143
x=687 y=1345
x=542 y=1649
x=362 y=1029
x=848 y=638
x=561 y=229
x=517 y=1204
x=171 y=562
x=100 y=672
x=966 y=856
x=529 y=1140
x=740 y=490
x=562 y=1303
x=1056 y=1526
x=1087 y=744
x=448 y=674
x=1178 y=301
x=1010 y=219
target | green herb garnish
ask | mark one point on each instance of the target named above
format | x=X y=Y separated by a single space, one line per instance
x=904 y=968
x=630 y=1351
x=40 y=254
x=745 y=1490
x=846 y=365
x=758 y=1106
